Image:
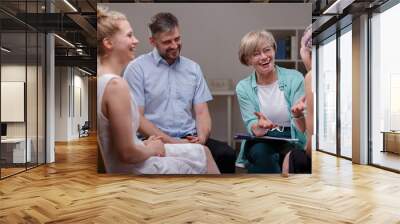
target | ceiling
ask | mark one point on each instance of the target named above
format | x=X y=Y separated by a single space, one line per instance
x=205 y=1
x=75 y=23
x=330 y=15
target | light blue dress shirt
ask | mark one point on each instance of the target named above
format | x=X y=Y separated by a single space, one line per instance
x=167 y=92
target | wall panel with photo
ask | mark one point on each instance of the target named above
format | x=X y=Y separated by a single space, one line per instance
x=212 y=43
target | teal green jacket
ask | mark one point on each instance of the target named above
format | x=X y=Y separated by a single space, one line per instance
x=290 y=81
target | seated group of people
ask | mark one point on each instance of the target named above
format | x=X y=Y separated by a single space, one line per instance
x=163 y=96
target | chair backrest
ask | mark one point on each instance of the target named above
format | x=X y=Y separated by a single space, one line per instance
x=86 y=125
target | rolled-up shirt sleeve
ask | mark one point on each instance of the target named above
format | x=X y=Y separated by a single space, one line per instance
x=298 y=88
x=247 y=107
x=202 y=92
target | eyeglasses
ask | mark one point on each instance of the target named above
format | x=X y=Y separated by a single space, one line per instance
x=258 y=54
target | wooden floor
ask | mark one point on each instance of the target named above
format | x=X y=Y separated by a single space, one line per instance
x=387 y=159
x=10 y=171
x=70 y=191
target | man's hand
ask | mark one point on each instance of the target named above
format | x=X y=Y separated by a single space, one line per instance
x=148 y=129
x=170 y=140
x=262 y=125
x=179 y=141
x=298 y=108
x=196 y=139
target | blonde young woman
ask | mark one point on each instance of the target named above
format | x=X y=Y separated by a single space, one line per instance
x=300 y=161
x=118 y=116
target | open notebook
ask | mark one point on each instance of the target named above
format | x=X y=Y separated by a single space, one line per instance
x=242 y=136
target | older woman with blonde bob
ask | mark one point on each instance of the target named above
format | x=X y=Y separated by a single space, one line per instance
x=265 y=98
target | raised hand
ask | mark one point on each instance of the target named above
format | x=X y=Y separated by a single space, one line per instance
x=262 y=125
x=299 y=107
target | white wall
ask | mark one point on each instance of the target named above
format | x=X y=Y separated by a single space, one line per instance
x=80 y=100
x=16 y=72
x=33 y=126
x=61 y=103
x=67 y=115
x=211 y=33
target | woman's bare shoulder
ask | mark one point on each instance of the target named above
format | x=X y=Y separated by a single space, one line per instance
x=117 y=85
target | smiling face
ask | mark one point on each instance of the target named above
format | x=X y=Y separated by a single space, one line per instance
x=124 y=42
x=168 y=44
x=263 y=59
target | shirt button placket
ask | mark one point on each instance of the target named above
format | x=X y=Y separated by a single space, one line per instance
x=171 y=97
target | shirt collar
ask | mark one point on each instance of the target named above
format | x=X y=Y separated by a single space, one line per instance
x=156 y=56
x=254 y=78
x=158 y=59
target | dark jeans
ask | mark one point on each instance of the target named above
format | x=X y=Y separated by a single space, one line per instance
x=299 y=162
x=267 y=156
x=223 y=155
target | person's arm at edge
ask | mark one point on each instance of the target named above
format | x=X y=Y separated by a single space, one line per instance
x=299 y=120
x=310 y=111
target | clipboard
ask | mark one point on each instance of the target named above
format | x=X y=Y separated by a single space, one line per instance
x=241 y=136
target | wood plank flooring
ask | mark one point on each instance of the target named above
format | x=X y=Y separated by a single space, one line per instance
x=70 y=191
x=9 y=171
x=388 y=159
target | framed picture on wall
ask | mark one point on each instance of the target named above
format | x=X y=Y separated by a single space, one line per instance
x=12 y=101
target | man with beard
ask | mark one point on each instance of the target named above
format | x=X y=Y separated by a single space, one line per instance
x=172 y=93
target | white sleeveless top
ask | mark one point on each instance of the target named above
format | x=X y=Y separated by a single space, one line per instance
x=179 y=159
x=277 y=112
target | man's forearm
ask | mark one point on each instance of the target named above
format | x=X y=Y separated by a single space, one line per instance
x=147 y=128
x=203 y=122
x=203 y=126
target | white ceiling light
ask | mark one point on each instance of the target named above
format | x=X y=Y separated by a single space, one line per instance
x=5 y=50
x=71 y=6
x=86 y=72
x=338 y=6
x=65 y=41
